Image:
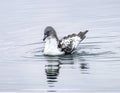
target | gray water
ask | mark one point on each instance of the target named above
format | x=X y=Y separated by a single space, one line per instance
x=94 y=68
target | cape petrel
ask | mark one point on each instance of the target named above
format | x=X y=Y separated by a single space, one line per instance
x=66 y=45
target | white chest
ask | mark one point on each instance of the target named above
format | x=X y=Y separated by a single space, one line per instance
x=51 y=47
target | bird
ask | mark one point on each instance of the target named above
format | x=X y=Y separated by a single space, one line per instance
x=64 y=46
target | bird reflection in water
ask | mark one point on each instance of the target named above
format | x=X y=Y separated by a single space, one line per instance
x=84 y=68
x=53 y=66
x=52 y=71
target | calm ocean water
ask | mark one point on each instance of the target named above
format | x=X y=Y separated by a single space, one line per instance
x=94 y=68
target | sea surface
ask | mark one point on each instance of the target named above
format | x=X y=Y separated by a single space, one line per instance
x=95 y=67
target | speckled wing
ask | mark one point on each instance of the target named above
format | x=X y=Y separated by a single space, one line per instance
x=69 y=43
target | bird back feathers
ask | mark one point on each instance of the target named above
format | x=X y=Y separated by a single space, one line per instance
x=69 y=43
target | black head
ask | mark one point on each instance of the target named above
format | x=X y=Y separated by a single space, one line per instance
x=49 y=31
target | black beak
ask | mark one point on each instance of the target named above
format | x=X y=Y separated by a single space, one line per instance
x=45 y=36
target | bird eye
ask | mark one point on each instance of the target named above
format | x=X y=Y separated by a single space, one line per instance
x=49 y=32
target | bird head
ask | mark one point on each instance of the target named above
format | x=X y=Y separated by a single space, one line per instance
x=49 y=32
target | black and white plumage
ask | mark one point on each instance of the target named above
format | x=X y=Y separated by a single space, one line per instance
x=66 y=45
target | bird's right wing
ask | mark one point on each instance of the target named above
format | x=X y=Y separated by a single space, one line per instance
x=69 y=43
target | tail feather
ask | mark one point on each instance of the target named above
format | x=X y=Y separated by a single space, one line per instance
x=82 y=34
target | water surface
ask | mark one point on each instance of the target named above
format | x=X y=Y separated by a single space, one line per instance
x=94 y=68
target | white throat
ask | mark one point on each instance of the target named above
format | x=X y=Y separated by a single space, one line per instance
x=51 y=47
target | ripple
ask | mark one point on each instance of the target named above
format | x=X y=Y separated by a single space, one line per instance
x=83 y=53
